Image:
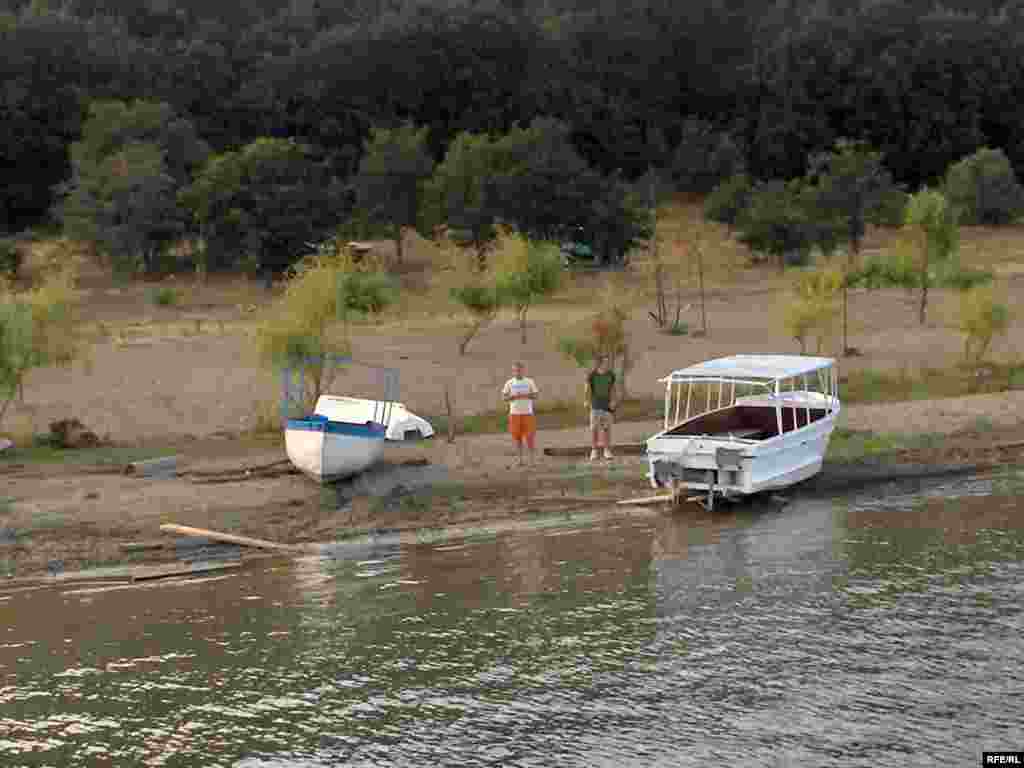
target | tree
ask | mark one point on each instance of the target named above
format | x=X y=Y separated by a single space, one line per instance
x=391 y=178
x=812 y=308
x=984 y=189
x=462 y=192
x=704 y=157
x=544 y=188
x=38 y=328
x=775 y=222
x=481 y=302
x=982 y=319
x=301 y=328
x=936 y=236
x=728 y=200
x=126 y=171
x=850 y=188
x=262 y=204
x=527 y=272
x=604 y=333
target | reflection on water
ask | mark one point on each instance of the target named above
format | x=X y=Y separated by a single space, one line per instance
x=874 y=630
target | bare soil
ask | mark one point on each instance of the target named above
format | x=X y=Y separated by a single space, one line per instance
x=184 y=378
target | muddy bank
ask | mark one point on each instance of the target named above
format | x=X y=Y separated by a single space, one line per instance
x=60 y=518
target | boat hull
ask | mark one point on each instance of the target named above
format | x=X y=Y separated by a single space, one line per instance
x=738 y=467
x=327 y=450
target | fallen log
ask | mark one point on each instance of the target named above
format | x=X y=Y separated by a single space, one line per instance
x=241 y=477
x=625 y=449
x=142 y=546
x=230 y=538
x=165 y=465
x=235 y=470
x=165 y=572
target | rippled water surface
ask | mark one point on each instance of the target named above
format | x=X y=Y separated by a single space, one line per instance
x=880 y=630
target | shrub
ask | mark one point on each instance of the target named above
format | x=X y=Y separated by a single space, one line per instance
x=982 y=319
x=814 y=306
x=729 y=199
x=366 y=293
x=10 y=258
x=984 y=188
x=164 y=296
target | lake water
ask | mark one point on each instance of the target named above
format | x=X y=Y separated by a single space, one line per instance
x=876 y=630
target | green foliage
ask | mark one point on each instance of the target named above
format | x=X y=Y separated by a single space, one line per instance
x=127 y=168
x=885 y=270
x=851 y=186
x=163 y=296
x=264 y=202
x=303 y=323
x=704 y=157
x=10 y=258
x=461 y=192
x=481 y=301
x=775 y=222
x=933 y=220
x=982 y=319
x=366 y=293
x=814 y=306
x=966 y=278
x=678 y=328
x=38 y=328
x=543 y=188
x=392 y=177
x=984 y=189
x=729 y=199
x=526 y=272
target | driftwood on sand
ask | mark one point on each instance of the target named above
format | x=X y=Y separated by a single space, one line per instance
x=230 y=538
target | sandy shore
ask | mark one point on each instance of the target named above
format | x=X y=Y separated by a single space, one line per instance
x=71 y=517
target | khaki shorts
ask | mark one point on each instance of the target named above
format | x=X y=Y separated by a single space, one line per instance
x=601 y=419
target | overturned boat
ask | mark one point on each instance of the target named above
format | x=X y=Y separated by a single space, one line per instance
x=740 y=425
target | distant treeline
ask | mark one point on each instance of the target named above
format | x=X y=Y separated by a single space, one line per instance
x=641 y=84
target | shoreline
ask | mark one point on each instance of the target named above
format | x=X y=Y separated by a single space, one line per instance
x=64 y=517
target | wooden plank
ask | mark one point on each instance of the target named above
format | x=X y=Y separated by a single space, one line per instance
x=230 y=538
x=142 y=546
x=148 y=574
x=646 y=500
x=625 y=449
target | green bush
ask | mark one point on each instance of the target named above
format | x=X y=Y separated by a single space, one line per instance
x=966 y=278
x=884 y=270
x=10 y=258
x=704 y=157
x=984 y=189
x=729 y=199
x=678 y=329
x=163 y=296
x=367 y=293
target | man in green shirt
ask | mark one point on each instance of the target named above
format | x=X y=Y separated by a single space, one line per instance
x=601 y=400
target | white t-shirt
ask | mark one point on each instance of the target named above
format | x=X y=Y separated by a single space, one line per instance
x=523 y=386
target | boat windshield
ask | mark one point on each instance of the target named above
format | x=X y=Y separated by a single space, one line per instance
x=688 y=397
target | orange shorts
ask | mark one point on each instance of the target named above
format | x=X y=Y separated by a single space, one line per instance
x=522 y=426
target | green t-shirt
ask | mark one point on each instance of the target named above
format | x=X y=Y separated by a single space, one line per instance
x=601 y=386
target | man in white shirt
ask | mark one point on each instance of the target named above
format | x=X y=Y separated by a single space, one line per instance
x=520 y=392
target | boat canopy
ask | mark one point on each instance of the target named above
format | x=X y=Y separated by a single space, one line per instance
x=745 y=367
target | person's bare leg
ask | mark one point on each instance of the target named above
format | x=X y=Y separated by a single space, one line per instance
x=595 y=441
x=531 y=443
x=608 y=442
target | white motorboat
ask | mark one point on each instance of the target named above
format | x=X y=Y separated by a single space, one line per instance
x=744 y=424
